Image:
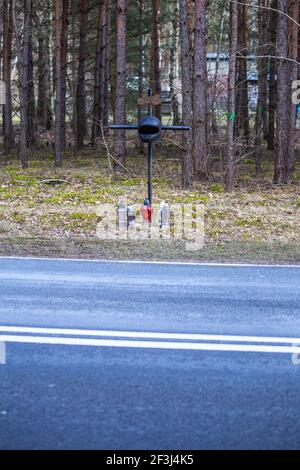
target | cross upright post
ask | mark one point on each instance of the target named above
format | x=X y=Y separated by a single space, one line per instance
x=150 y=155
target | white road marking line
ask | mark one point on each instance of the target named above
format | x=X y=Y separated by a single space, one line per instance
x=2 y=353
x=151 y=344
x=148 y=335
x=171 y=263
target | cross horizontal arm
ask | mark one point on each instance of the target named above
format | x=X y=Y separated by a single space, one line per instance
x=176 y=128
x=124 y=126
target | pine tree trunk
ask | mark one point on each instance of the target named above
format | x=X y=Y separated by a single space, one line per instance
x=141 y=54
x=101 y=71
x=23 y=56
x=58 y=82
x=155 y=82
x=233 y=32
x=242 y=118
x=7 y=51
x=74 y=15
x=120 y=114
x=261 y=122
x=44 y=112
x=64 y=55
x=80 y=92
x=294 y=70
x=283 y=97
x=187 y=164
x=31 y=102
x=199 y=92
x=273 y=19
x=173 y=55
x=106 y=58
x=215 y=130
x=98 y=82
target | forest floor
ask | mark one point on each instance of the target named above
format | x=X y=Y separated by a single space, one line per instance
x=258 y=222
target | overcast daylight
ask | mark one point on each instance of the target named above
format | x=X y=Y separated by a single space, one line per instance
x=149 y=229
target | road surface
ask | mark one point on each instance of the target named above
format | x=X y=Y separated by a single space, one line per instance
x=102 y=355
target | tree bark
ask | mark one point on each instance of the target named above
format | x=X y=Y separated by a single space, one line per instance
x=74 y=16
x=23 y=55
x=58 y=82
x=173 y=56
x=7 y=52
x=80 y=92
x=294 y=70
x=273 y=19
x=31 y=93
x=199 y=92
x=233 y=32
x=242 y=118
x=187 y=164
x=44 y=111
x=64 y=55
x=101 y=71
x=120 y=114
x=155 y=82
x=98 y=78
x=141 y=54
x=261 y=122
x=106 y=58
x=283 y=96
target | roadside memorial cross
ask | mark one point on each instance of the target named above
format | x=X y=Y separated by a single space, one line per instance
x=149 y=130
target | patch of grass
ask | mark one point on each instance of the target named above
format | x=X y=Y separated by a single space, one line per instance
x=216 y=233
x=83 y=216
x=61 y=197
x=240 y=252
x=133 y=182
x=245 y=178
x=19 y=218
x=24 y=179
x=217 y=188
x=190 y=198
x=249 y=222
x=256 y=214
x=12 y=194
x=11 y=169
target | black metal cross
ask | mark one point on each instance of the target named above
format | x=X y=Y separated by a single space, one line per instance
x=149 y=129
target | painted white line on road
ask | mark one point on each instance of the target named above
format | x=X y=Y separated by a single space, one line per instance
x=2 y=353
x=170 y=263
x=151 y=344
x=148 y=335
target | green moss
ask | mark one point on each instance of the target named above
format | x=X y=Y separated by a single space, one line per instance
x=261 y=203
x=133 y=182
x=17 y=217
x=61 y=197
x=27 y=180
x=83 y=216
x=217 y=188
x=216 y=214
x=54 y=220
x=11 y=169
x=191 y=197
x=12 y=194
x=215 y=233
x=249 y=222
x=245 y=178
x=36 y=164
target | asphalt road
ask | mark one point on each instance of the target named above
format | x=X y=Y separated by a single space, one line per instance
x=148 y=356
